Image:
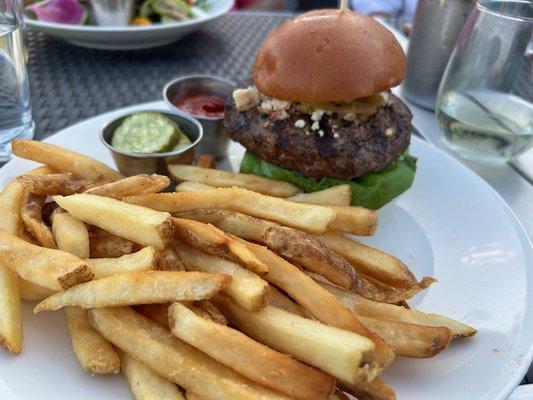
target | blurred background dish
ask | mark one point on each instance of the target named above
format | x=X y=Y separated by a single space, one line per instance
x=144 y=34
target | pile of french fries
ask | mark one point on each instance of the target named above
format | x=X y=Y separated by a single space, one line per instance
x=231 y=287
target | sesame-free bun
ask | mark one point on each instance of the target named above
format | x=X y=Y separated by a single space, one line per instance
x=328 y=55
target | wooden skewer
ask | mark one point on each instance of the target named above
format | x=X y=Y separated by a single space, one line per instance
x=343 y=5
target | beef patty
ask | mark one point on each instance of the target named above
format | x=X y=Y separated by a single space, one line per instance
x=344 y=149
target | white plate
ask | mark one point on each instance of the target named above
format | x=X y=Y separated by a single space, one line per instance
x=450 y=224
x=130 y=37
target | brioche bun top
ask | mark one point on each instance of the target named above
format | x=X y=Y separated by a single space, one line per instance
x=328 y=55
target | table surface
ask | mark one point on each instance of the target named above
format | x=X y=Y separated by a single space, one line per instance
x=69 y=84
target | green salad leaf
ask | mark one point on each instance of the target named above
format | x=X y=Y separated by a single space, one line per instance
x=372 y=190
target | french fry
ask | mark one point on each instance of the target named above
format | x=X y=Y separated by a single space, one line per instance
x=10 y=206
x=138 y=224
x=53 y=184
x=206 y=161
x=70 y=234
x=131 y=186
x=109 y=246
x=343 y=354
x=155 y=312
x=63 y=160
x=319 y=302
x=279 y=300
x=193 y=396
x=340 y=195
x=246 y=288
x=192 y=187
x=355 y=220
x=375 y=390
x=174 y=359
x=307 y=217
x=95 y=354
x=363 y=306
x=370 y=261
x=226 y=179
x=144 y=383
x=11 y=336
x=131 y=288
x=54 y=269
x=32 y=292
x=241 y=225
x=312 y=254
x=409 y=340
x=143 y=260
x=31 y=213
x=169 y=261
x=213 y=241
x=207 y=310
x=251 y=359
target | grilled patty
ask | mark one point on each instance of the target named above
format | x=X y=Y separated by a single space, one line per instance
x=345 y=150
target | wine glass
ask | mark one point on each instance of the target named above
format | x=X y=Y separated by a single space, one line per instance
x=484 y=104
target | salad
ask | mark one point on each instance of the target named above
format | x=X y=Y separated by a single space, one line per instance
x=146 y=12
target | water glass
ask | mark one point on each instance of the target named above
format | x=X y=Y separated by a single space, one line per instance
x=485 y=99
x=15 y=109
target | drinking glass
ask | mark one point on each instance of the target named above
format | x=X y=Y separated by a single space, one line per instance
x=15 y=110
x=484 y=103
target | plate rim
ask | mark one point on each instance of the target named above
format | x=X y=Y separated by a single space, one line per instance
x=524 y=239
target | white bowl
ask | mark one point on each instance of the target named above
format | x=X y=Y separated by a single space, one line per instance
x=130 y=37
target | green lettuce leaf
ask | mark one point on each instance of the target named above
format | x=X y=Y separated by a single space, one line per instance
x=372 y=190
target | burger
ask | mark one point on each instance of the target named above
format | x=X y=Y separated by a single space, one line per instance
x=319 y=111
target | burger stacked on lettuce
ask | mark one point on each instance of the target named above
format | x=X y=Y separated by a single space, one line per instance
x=320 y=112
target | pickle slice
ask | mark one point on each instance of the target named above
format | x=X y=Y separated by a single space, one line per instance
x=146 y=132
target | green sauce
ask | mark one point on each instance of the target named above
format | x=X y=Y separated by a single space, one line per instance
x=147 y=132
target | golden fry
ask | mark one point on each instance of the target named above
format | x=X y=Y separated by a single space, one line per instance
x=213 y=241
x=54 y=269
x=371 y=262
x=143 y=260
x=174 y=359
x=57 y=184
x=132 y=288
x=355 y=220
x=319 y=302
x=226 y=179
x=363 y=306
x=11 y=314
x=95 y=354
x=70 y=234
x=63 y=160
x=307 y=217
x=340 y=195
x=169 y=261
x=343 y=354
x=109 y=246
x=132 y=186
x=145 y=384
x=138 y=224
x=246 y=289
x=32 y=215
x=250 y=358
x=410 y=340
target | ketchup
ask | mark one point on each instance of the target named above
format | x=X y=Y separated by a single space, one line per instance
x=202 y=105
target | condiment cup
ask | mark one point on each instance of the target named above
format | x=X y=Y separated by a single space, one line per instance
x=153 y=163
x=216 y=139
